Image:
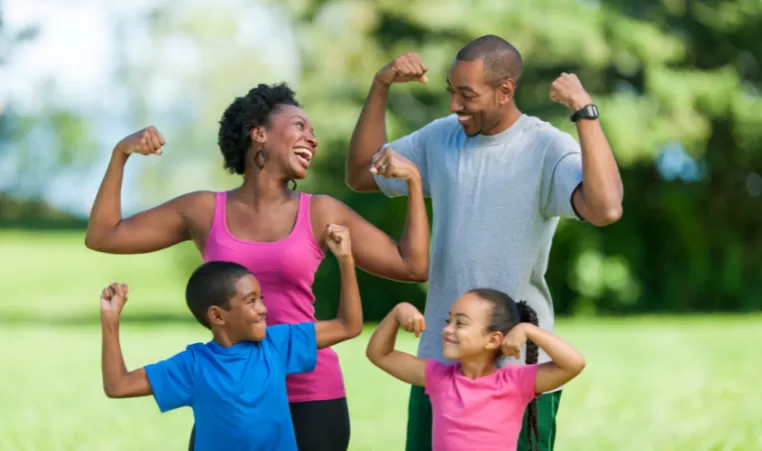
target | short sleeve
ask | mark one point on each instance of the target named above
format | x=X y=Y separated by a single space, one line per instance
x=524 y=378
x=412 y=147
x=435 y=372
x=172 y=381
x=296 y=344
x=562 y=174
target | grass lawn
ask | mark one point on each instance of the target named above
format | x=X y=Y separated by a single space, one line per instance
x=678 y=383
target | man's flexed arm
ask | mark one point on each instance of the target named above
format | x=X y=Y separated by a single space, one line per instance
x=370 y=131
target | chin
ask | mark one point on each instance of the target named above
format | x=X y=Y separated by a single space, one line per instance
x=450 y=354
x=258 y=334
x=471 y=131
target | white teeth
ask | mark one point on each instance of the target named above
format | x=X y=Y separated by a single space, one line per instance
x=304 y=153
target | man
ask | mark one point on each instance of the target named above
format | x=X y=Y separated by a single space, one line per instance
x=499 y=181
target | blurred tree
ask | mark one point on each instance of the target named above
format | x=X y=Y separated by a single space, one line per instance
x=677 y=83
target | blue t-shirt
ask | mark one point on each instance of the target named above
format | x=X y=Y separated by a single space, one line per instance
x=238 y=393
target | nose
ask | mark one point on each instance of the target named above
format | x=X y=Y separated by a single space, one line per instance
x=262 y=309
x=455 y=104
x=312 y=139
x=448 y=329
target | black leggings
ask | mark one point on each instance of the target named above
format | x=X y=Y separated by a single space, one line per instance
x=319 y=425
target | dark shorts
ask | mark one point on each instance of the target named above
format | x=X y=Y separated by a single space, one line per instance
x=419 y=422
x=319 y=425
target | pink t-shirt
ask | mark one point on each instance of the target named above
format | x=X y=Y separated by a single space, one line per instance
x=484 y=413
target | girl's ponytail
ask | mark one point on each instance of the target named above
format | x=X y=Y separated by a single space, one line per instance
x=528 y=315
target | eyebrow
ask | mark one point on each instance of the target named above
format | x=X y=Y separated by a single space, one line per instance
x=462 y=87
x=460 y=315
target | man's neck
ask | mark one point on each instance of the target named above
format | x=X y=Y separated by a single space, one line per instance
x=511 y=115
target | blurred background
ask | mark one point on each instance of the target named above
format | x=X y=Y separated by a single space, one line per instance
x=664 y=304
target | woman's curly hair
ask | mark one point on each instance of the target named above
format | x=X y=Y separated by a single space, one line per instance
x=245 y=113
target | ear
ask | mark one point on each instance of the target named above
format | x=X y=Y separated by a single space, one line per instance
x=506 y=91
x=494 y=340
x=216 y=315
x=258 y=136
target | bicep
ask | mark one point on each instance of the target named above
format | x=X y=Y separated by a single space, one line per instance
x=135 y=383
x=551 y=376
x=151 y=230
x=329 y=333
x=374 y=251
x=405 y=367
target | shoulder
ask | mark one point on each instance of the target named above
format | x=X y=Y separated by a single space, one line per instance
x=440 y=370
x=441 y=129
x=326 y=210
x=195 y=202
x=282 y=334
x=517 y=374
x=548 y=137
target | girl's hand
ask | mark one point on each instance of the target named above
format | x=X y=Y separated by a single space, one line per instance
x=410 y=318
x=113 y=298
x=514 y=339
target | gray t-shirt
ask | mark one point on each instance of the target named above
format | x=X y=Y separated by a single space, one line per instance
x=496 y=201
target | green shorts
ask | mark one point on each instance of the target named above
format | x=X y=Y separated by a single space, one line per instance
x=419 y=422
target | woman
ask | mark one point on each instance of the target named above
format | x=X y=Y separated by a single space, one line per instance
x=278 y=234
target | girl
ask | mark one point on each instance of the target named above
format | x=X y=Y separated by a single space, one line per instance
x=474 y=404
x=278 y=234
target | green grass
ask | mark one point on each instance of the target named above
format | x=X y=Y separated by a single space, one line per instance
x=673 y=383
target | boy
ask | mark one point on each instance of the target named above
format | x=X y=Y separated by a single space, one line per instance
x=236 y=383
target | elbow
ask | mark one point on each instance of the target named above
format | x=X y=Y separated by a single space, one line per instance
x=354 y=330
x=418 y=273
x=607 y=216
x=112 y=391
x=354 y=181
x=371 y=354
x=579 y=365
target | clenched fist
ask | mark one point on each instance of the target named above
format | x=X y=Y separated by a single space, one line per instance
x=410 y=318
x=568 y=91
x=390 y=164
x=407 y=67
x=146 y=142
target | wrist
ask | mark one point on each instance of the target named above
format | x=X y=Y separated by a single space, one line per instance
x=346 y=260
x=581 y=102
x=414 y=180
x=379 y=84
x=109 y=319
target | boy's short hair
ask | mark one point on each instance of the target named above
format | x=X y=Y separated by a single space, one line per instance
x=212 y=283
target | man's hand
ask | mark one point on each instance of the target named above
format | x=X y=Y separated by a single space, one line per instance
x=569 y=92
x=390 y=164
x=146 y=142
x=113 y=299
x=407 y=67
x=410 y=318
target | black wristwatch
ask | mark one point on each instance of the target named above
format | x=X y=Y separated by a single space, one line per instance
x=586 y=112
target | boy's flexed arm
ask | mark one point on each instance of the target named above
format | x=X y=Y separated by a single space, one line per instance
x=348 y=323
x=117 y=381
x=381 y=352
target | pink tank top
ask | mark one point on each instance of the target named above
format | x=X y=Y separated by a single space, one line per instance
x=286 y=270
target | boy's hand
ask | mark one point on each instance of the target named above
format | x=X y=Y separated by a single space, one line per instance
x=337 y=238
x=113 y=299
x=514 y=339
x=410 y=318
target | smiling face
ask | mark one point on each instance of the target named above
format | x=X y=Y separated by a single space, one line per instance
x=467 y=334
x=289 y=141
x=480 y=106
x=245 y=315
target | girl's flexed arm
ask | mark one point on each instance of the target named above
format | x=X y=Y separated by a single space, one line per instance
x=566 y=363
x=403 y=366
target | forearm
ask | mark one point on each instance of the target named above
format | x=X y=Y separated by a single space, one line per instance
x=384 y=338
x=368 y=137
x=112 y=361
x=414 y=245
x=560 y=352
x=350 y=304
x=107 y=208
x=602 y=188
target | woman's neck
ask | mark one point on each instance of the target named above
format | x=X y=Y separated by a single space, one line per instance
x=258 y=188
x=478 y=366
